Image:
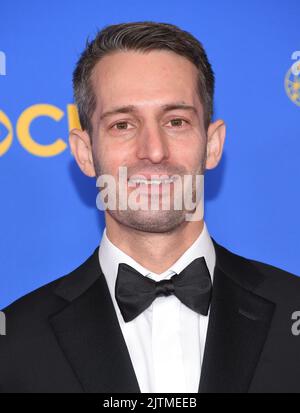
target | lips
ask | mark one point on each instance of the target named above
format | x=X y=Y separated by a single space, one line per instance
x=151 y=181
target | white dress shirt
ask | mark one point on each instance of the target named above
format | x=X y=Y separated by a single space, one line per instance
x=165 y=342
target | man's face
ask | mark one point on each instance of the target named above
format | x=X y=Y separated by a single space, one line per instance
x=151 y=137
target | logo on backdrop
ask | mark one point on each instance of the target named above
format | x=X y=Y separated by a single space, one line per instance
x=292 y=79
x=23 y=125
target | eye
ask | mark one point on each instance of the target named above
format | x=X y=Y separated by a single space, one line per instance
x=121 y=125
x=178 y=122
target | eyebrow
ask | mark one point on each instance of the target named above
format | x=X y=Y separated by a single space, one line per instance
x=131 y=109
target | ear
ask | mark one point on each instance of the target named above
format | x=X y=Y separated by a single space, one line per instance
x=81 y=148
x=215 y=142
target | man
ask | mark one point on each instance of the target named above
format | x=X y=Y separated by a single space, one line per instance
x=160 y=306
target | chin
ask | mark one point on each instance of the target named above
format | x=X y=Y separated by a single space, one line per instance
x=150 y=221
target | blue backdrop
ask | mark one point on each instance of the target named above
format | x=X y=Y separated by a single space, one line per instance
x=49 y=219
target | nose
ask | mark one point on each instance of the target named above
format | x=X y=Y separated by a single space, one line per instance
x=152 y=144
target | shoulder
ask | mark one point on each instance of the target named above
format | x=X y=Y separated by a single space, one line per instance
x=279 y=284
x=272 y=282
x=49 y=298
x=27 y=316
x=29 y=338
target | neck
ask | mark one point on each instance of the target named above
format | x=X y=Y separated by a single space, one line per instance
x=154 y=251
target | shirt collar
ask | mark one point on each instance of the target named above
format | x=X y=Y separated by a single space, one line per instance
x=111 y=256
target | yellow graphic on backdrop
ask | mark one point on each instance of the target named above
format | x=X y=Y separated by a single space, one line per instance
x=7 y=141
x=292 y=80
x=24 y=122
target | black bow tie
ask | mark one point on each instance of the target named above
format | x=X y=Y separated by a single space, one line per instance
x=135 y=292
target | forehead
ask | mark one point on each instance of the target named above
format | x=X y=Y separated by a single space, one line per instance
x=134 y=77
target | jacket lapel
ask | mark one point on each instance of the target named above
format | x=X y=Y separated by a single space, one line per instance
x=239 y=322
x=88 y=331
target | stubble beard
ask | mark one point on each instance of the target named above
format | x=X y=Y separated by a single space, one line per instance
x=152 y=221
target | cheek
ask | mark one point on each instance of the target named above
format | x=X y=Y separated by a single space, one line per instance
x=191 y=154
x=116 y=153
x=114 y=157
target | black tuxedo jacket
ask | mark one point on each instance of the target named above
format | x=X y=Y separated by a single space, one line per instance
x=65 y=336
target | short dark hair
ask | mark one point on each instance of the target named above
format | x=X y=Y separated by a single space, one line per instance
x=140 y=36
